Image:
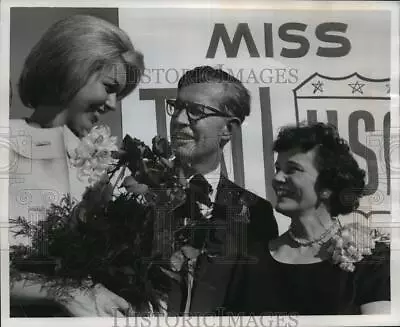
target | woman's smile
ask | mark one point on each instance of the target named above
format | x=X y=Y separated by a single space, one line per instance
x=284 y=192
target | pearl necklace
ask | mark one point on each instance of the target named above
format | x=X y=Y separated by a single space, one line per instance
x=318 y=240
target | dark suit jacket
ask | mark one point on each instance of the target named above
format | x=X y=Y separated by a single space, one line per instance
x=214 y=279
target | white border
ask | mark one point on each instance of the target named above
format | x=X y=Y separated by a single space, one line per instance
x=372 y=320
x=4 y=121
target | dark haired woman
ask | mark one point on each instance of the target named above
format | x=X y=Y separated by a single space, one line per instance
x=318 y=266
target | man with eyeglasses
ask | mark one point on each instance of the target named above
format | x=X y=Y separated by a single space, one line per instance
x=210 y=104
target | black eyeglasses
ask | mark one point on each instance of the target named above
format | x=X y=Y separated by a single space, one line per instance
x=194 y=111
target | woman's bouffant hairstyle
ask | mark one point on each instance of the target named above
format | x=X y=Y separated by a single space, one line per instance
x=69 y=53
x=235 y=98
x=338 y=170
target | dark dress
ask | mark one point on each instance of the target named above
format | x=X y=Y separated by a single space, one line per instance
x=310 y=289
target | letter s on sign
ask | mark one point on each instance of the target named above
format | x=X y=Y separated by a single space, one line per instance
x=322 y=31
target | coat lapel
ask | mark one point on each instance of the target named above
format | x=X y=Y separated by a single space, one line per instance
x=48 y=144
x=36 y=143
x=76 y=186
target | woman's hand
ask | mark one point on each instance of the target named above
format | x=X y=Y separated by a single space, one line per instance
x=97 y=301
x=378 y=307
x=79 y=302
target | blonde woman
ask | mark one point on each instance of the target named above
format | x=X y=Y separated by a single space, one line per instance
x=79 y=70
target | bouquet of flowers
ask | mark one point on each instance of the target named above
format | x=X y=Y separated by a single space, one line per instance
x=113 y=237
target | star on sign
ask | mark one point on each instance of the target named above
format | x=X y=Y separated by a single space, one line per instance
x=356 y=87
x=318 y=87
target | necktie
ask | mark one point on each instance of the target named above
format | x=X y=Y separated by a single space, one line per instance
x=200 y=189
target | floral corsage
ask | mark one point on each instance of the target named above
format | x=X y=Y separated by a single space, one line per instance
x=350 y=244
x=94 y=154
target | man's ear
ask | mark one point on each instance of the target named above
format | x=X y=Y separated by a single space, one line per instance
x=230 y=126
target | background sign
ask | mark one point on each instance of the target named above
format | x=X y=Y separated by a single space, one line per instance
x=298 y=65
x=359 y=106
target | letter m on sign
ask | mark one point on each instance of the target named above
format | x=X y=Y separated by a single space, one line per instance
x=360 y=108
x=232 y=46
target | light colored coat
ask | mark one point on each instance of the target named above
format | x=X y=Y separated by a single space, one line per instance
x=40 y=171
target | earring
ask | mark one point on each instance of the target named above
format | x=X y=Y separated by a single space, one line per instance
x=324 y=195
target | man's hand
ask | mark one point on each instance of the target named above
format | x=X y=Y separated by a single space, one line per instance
x=97 y=301
x=94 y=197
x=133 y=186
x=99 y=193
